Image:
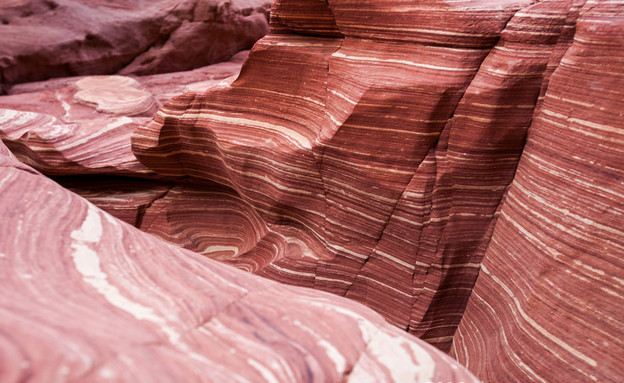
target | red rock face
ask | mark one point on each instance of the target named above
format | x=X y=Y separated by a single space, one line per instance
x=376 y=150
x=108 y=302
x=82 y=125
x=378 y=161
x=40 y=39
x=552 y=278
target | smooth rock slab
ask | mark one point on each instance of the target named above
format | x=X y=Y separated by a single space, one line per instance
x=88 y=298
x=118 y=95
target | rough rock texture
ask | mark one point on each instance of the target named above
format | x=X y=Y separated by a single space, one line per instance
x=82 y=125
x=40 y=39
x=379 y=159
x=124 y=198
x=86 y=297
x=548 y=305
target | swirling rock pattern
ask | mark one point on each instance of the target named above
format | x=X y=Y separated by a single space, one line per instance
x=378 y=161
x=552 y=280
x=40 y=39
x=369 y=149
x=86 y=297
x=83 y=125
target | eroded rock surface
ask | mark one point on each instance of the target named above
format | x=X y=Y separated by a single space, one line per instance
x=378 y=161
x=82 y=125
x=86 y=297
x=370 y=149
x=40 y=39
x=552 y=280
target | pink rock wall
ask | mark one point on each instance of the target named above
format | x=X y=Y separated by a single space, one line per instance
x=548 y=303
x=379 y=159
x=369 y=149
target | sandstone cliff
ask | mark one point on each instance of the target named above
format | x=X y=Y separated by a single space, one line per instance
x=444 y=163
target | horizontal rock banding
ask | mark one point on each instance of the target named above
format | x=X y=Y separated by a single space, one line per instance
x=368 y=149
x=83 y=125
x=87 y=147
x=383 y=155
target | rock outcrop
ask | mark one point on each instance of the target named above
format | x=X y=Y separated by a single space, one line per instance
x=86 y=297
x=82 y=125
x=40 y=39
x=378 y=161
x=444 y=163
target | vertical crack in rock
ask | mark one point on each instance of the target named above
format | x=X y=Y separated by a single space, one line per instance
x=144 y=208
x=447 y=274
x=444 y=116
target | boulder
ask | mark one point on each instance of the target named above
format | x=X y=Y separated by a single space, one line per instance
x=41 y=39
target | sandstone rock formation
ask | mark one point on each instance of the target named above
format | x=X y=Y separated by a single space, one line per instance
x=86 y=297
x=40 y=39
x=82 y=125
x=378 y=161
x=552 y=280
x=378 y=150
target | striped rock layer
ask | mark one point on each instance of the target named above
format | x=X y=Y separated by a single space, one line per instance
x=548 y=304
x=378 y=150
x=88 y=298
x=369 y=145
x=82 y=126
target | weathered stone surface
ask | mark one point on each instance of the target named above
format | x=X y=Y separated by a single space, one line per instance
x=124 y=198
x=88 y=298
x=548 y=303
x=85 y=147
x=368 y=149
x=5 y=151
x=379 y=159
x=40 y=39
x=82 y=125
x=115 y=95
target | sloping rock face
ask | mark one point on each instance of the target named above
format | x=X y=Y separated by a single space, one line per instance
x=548 y=303
x=40 y=39
x=86 y=297
x=82 y=125
x=373 y=142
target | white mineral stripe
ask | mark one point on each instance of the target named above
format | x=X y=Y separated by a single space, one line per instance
x=87 y=263
x=288 y=133
x=110 y=126
x=533 y=323
x=403 y=62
